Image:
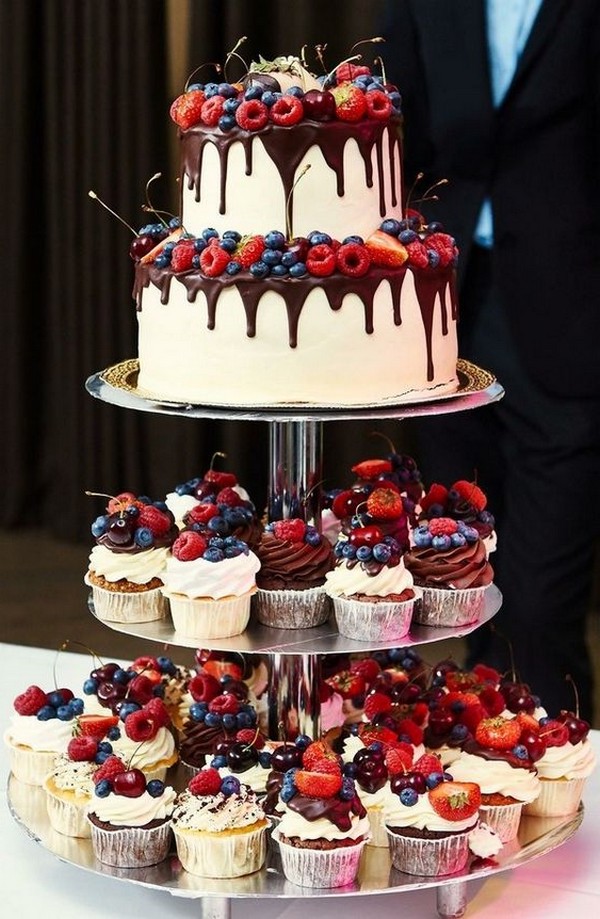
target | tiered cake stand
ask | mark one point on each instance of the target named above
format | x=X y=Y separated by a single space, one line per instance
x=296 y=436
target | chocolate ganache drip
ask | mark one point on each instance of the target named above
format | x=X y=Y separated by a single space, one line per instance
x=333 y=809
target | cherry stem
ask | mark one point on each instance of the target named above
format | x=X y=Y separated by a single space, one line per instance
x=494 y=629
x=233 y=53
x=418 y=178
x=319 y=51
x=570 y=680
x=379 y=60
x=386 y=438
x=131 y=758
x=93 y=195
x=63 y=647
x=288 y=204
x=206 y=64
x=348 y=60
x=150 y=207
x=367 y=41
x=213 y=458
x=282 y=734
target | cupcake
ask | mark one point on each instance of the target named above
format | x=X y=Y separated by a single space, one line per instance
x=70 y=787
x=463 y=501
x=248 y=759
x=371 y=767
x=126 y=566
x=294 y=561
x=209 y=583
x=41 y=728
x=280 y=760
x=219 y=827
x=372 y=591
x=214 y=487
x=324 y=826
x=449 y=562
x=566 y=760
x=129 y=817
x=145 y=740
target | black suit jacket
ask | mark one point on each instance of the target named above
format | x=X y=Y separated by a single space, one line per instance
x=537 y=157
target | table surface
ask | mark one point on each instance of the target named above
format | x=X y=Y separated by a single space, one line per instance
x=560 y=884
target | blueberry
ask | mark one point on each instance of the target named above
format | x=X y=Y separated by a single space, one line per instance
x=155 y=788
x=218 y=525
x=105 y=747
x=408 y=797
x=312 y=538
x=391 y=226
x=209 y=233
x=243 y=720
x=230 y=786
x=350 y=769
x=103 y=788
x=184 y=488
x=362 y=80
x=90 y=686
x=520 y=751
x=264 y=759
x=46 y=713
x=407 y=236
x=64 y=713
x=167 y=249
x=219 y=761
x=354 y=239
x=274 y=240
x=316 y=238
x=199 y=246
x=100 y=758
x=459 y=732
x=227 y=122
x=227 y=90
x=433 y=258
x=470 y=534
x=162 y=261
x=121 y=676
x=408 y=663
x=211 y=89
x=457 y=540
x=433 y=779
x=143 y=537
x=288 y=259
x=422 y=539
x=99 y=526
x=213 y=555
x=259 y=269
x=55 y=698
x=212 y=720
x=296 y=91
x=113 y=733
x=158 y=691
x=197 y=712
x=348 y=550
x=228 y=244
x=229 y=722
x=396 y=99
x=298 y=270
x=127 y=708
x=76 y=706
x=166 y=665
x=364 y=553
x=396 y=654
x=348 y=789
x=435 y=227
x=271 y=257
x=286 y=794
x=253 y=92
x=233 y=267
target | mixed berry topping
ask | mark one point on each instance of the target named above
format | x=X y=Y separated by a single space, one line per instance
x=444 y=534
x=191 y=545
x=59 y=703
x=126 y=689
x=134 y=523
x=208 y=782
x=295 y=530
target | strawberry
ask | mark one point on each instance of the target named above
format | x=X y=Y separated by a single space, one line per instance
x=229 y=497
x=157 y=709
x=353 y=260
x=213 y=261
x=397 y=760
x=385 y=504
x=371 y=733
x=347 y=683
x=30 y=701
x=427 y=764
x=459 y=680
x=96 y=726
x=372 y=468
x=442 y=526
x=328 y=766
x=252 y=115
x=413 y=731
x=156 y=520
x=379 y=106
x=455 y=800
x=182 y=255
x=141 y=726
x=320 y=260
x=385 y=250
x=286 y=111
x=528 y=722
x=350 y=102
x=554 y=733
x=82 y=749
x=249 y=251
x=292 y=529
x=347 y=72
x=201 y=513
x=204 y=687
x=186 y=109
x=219 y=668
x=109 y=769
x=444 y=246
x=367 y=667
x=205 y=782
x=417 y=254
x=318 y=784
x=377 y=703
x=211 y=110
x=189 y=546
x=317 y=751
x=471 y=493
x=497 y=733
x=437 y=494
x=251 y=738
x=224 y=704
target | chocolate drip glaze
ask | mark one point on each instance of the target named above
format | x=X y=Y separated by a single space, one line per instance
x=288 y=146
x=471 y=746
x=333 y=809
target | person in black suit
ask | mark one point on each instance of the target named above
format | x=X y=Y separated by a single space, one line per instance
x=520 y=147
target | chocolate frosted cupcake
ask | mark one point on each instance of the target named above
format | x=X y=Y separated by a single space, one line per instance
x=294 y=560
x=449 y=562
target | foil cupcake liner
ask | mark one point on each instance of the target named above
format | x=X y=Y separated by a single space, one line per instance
x=200 y=619
x=28 y=765
x=67 y=817
x=557 y=798
x=140 y=606
x=319 y=867
x=381 y=621
x=292 y=609
x=503 y=818
x=131 y=847
x=443 y=607
x=429 y=857
x=222 y=855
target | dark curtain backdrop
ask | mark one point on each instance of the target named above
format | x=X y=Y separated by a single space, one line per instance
x=84 y=105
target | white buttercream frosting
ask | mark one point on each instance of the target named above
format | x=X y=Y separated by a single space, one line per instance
x=213 y=580
x=180 y=505
x=344 y=581
x=571 y=761
x=496 y=777
x=421 y=816
x=217 y=813
x=76 y=777
x=120 y=810
x=146 y=754
x=256 y=777
x=50 y=736
x=137 y=567
x=293 y=824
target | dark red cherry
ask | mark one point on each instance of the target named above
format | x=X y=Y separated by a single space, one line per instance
x=110 y=693
x=130 y=784
x=366 y=536
x=440 y=721
x=140 y=246
x=286 y=757
x=371 y=775
x=241 y=757
x=299 y=245
x=120 y=531
x=235 y=688
x=534 y=744
x=105 y=672
x=319 y=105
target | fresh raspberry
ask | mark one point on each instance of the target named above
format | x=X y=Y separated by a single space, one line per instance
x=206 y=782
x=212 y=110
x=465 y=698
x=492 y=700
x=372 y=468
x=201 y=513
x=286 y=111
x=30 y=701
x=386 y=251
x=353 y=259
x=225 y=704
x=427 y=764
x=377 y=703
x=186 y=110
x=251 y=738
x=140 y=689
x=229 y=497
x=156 y=520
x=350 y=102
x=109 y=769
x=472 y=716
x=250 y=250
x=486 y=674
x=379 y=106
x=292 y=529
x=471 y=493
x=420 y=711
x=397 y=760
x=444 y=245
x=96 y=726
x=252 y=115
x=320 y=260
x=417 y=254
x=214 y=260
x=318 y=784
x=459 y=680
x=189 y=546
x=316 y=752
x=141 y=725
x=367 y=667
x=204 y=687
x=455 y=800
x=157 y=709
x=182 y=255
x=553 y=733
x=348 y=72
x=408 y=727
x=497 y=733
x=82 y=749
x=385 y=504
x=121 y=501
x=442 y=526
x=437 y=494
x=144 y=664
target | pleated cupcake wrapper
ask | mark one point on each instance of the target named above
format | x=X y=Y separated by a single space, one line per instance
x=200 y=618
x=379 y=836
x=131 y=847
x=221 y=855
x=292 y=609
x=557 y=798
x=503 y=818
x=443 y=607
x=30 y=766
x=116 y=606
x=68 y=817
x=380 y=621
x=319 y=867
x=429 y=857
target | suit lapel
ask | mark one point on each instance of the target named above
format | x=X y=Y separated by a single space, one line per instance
x=545 y=24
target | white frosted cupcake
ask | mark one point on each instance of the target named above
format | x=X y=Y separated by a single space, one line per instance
x=70 y=787
x=563 y=770
x=209 y=583
x=146 y=741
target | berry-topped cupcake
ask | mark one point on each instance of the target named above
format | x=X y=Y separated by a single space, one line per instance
x=372 y=591
x=125 y=571
x=463 y=501
x=449 y=562
x=209 y=582
x=143 y=738
x=70 y=785
x=294 y=561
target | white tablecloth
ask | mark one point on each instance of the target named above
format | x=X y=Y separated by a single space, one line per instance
x=563 y=884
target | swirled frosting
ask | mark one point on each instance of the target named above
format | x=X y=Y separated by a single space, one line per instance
x=497 y=776
x=51 y=736
x=138 y=567
x=180 y=505
x=571 y=761
x=287 y=565
x=458 y=568
x=120 y=810
x=421 y=816
x=146 y=754
x=217 y=813
x=351 y=577
x=255 y=777
x=76 y=777
x=200 y=578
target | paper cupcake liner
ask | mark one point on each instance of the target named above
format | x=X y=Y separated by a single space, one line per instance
x=292 y=609
x=131 y=847
x=319 y=867
x=200 y=619
x=503 y=818
x=557 y=798
x=30 y=766
x=379 y=836
x=381 y=621
x=141 y=606
x=429 y=857
x=222 y=855
x=67 y=817
x=441 y=606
